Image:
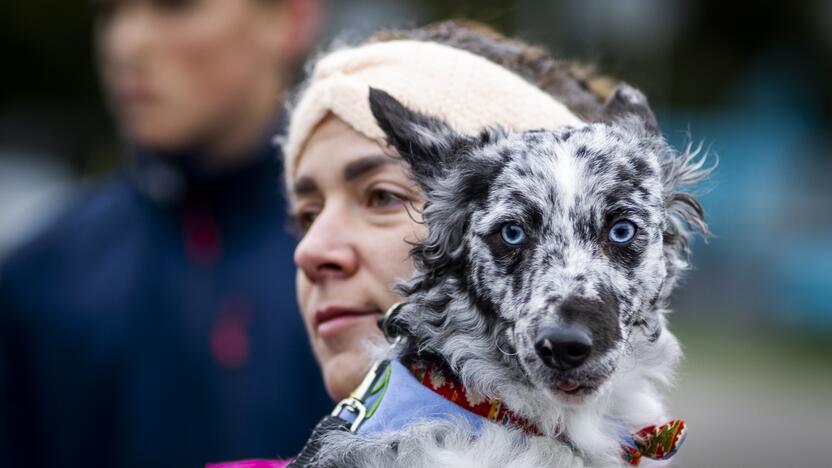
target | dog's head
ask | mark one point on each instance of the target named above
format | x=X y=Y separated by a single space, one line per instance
x=566 y=243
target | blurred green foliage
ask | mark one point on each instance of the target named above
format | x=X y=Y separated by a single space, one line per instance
x=756 y=352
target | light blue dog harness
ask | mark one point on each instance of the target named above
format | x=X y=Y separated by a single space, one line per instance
x=391 y=411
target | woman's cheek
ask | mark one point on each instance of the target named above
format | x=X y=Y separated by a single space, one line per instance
x=303 y=288
x=389 y=254
x=410 y=234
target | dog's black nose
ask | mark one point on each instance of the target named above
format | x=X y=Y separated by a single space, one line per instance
x=564 y=347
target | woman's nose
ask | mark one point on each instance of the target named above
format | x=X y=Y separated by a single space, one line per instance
x=326 y=250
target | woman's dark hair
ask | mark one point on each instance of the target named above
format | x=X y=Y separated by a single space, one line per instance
x=576 y=85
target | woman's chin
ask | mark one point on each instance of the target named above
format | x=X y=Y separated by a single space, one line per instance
x=344 y=372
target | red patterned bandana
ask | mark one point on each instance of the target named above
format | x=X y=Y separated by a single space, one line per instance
x=656 y=442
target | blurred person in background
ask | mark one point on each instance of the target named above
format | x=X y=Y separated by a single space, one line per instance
x=153 y=323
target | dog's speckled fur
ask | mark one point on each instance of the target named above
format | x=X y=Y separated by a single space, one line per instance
x=479 y=303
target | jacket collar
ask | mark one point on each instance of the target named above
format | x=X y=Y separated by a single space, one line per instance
x=174 y=180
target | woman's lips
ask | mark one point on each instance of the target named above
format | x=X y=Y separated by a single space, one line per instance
x=332 y=320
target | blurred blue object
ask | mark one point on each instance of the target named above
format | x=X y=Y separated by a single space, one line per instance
x=769 y=203
x=154 y=323
x=32 y=186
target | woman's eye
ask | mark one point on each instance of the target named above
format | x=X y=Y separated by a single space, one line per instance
x=513 y=234
x=305 y=220
x=622 y=232
x=382 y=199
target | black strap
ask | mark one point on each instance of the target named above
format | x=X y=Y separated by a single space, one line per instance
x=310 y=451
x=389 y=325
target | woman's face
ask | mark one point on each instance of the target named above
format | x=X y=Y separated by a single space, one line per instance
x=355 y=208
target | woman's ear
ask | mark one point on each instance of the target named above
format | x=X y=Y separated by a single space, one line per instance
x=426 y=143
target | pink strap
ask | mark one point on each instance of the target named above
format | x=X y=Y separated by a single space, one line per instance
x=252 y=464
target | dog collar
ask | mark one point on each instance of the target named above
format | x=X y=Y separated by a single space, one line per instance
x=434 y=377
x=393 y=396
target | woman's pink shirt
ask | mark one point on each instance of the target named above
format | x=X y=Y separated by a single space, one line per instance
x=252 y=464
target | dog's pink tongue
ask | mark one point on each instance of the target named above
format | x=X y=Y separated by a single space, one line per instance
x=568 y=385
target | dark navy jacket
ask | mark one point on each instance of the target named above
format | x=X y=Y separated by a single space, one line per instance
x=154 y=324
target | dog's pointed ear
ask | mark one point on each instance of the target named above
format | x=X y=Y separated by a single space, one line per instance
x=426 y=143
x=625 y=103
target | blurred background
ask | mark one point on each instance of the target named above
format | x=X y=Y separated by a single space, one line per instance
x=749 y=80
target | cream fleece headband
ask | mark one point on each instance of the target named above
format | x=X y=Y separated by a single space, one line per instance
x=463 y=89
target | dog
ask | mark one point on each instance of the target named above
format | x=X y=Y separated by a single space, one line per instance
x=539 y=293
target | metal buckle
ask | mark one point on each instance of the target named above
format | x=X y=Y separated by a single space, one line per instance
x=354 y=406
x=355 y=402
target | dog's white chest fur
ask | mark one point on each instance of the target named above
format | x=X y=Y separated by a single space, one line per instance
x=450 y=444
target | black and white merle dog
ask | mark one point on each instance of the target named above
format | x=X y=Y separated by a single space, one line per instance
x=543 y=282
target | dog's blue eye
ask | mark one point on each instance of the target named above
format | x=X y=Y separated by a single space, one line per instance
x=622 y=232
x=513 y=234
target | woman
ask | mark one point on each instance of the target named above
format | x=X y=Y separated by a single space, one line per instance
x=355 y=206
